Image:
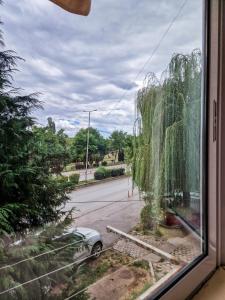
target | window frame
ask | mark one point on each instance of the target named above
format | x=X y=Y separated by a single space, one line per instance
x=187 y=281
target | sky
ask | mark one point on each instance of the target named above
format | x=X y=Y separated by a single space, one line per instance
x=98 y=62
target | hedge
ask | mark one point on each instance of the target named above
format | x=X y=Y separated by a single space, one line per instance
x=102 y=173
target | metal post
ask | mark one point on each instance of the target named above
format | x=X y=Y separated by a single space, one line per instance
x=87 y=149
x=88 y=137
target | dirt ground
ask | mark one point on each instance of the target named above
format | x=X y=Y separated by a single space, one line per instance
x=122 y=284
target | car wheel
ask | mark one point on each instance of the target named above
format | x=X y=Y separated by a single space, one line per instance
x=96 y=250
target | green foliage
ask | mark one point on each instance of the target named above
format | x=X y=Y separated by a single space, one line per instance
x=117 y=172
x=97 y=146
x=30 y=195
x=166 y=153
x=74 y=178
x=120 y=141
x=143 y=264
x=33 y=244
x=51 y=148
x=104 y=163
x=102 y=173
x=147 y=217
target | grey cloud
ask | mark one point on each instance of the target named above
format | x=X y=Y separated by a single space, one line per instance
x=78 y=62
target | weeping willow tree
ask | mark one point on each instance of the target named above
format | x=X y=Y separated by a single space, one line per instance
x=167 y=146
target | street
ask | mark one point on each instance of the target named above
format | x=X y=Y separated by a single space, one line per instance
x=106 y=204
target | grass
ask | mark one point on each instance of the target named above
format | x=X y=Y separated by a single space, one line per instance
x=143 y=264
x=160 y=232
x=89 y=272
x=135 y=294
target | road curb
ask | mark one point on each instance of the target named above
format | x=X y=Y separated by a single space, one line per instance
x=100 y=181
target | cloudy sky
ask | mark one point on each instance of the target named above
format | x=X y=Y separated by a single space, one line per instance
x=95 y=62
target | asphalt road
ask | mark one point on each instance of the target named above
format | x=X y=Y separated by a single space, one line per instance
x=106 y=204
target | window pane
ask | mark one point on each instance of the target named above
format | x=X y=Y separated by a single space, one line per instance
x=101 y=189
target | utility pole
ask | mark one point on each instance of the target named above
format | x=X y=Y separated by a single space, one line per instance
x=88 y=137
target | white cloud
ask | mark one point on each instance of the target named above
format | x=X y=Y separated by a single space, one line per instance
x=44 y=67
x=92 y=62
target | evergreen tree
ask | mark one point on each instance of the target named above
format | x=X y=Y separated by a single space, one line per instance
x=30 y=195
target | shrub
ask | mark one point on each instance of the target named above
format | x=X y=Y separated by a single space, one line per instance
x=62 y=179
x=108 y=173
x=104 y=163
x=118 y=172
x=115 y=172
x=100 y=173
x=64 y=182
x=74 y=178
x=121 y=171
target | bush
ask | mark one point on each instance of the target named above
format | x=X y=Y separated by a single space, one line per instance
x=104 y=163
x=108 y=173
x=100 y=173
x=74 y=178
x=64 y=182
x=118 y=172
x=115 y=172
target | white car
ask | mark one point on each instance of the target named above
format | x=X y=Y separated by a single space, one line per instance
x=91 y=244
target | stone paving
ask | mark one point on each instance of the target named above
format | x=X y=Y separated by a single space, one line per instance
x=130 y=248
x=186 y=248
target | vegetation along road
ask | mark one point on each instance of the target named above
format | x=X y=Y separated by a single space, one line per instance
x=106 y=204
x=90 y=172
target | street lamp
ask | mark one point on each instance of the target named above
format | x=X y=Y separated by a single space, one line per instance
x=88 y=136
x=79 y=7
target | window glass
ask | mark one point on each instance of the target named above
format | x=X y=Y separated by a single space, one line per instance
x=100 y=147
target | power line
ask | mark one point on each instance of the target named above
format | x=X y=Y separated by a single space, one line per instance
x=97 y=209
x=105 y=201
x=74 y=243
x=85 y=289
x=52 y=272
x=153 y=52
x=39 y=255
x=94 y=210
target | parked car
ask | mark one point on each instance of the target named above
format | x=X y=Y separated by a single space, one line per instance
x=91 y=244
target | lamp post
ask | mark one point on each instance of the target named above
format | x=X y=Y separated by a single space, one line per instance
x=88 y=137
